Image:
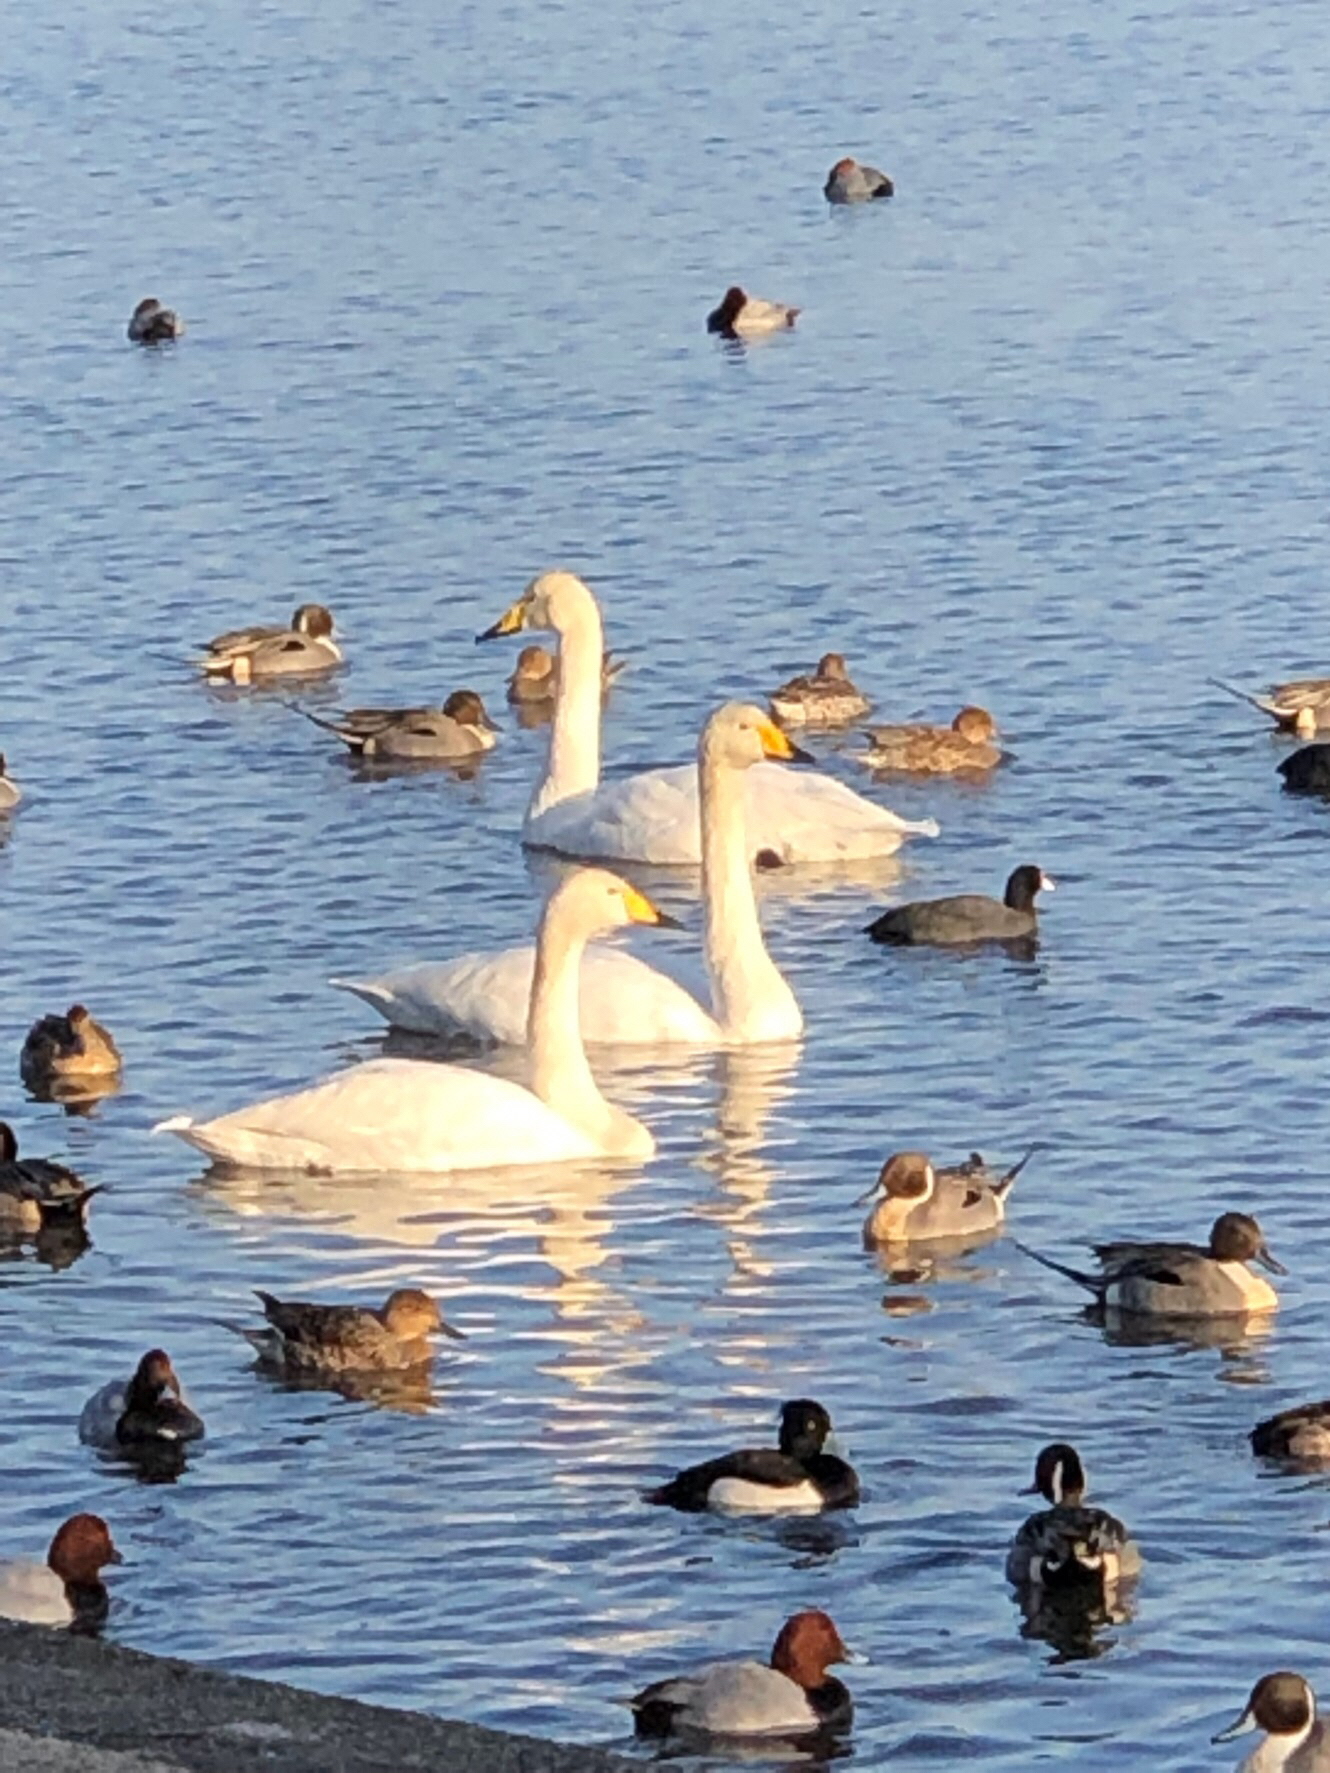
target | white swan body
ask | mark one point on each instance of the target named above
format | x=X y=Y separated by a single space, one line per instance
x=412 y=1115
x=654 y=816
x=623 y=999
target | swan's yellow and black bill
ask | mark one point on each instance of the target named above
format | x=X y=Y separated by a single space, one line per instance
x=641 y=910
x=512 y=621
x=779 y=745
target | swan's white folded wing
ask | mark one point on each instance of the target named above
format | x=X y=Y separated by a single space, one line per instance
x=805 y=816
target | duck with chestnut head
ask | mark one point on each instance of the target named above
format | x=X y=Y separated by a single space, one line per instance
x=67 y=1589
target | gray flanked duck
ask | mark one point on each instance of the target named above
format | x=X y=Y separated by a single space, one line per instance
x=37 y=1195
x=795 y=1477
x=741 y=316
x=1069 y=1546
x=152 y=324
x=460 y=728
x=67 y=1590
x=246 y=655
x=849 y=181
x=967 y=917
x=1296 y=1740
x=1182 y=1280
x=827 y=696
x=142 y=1414
x=914 y=1199
x=304 y=1338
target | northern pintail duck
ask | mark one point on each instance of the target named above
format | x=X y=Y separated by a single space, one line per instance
x=304 y=1338
x=850 y=182
x=825 y=697
x=535 y=676
x=10 y=792
x=152 y=324
x=68 y=1588
x=1296 y=1740
x=1067 y=1545
x=68 y=1048
x=143 y=1413
x=741 y=316
x=967 y=917
x=797 y=1476
x=792 y=1695
x=1301 y=706
x=36 y=1194
x=1307 y=771
x=304 y=649
x=1183 y=1280
x=461 y=728
x=1302 y=1432
x=967 y=744
x=913 y=1200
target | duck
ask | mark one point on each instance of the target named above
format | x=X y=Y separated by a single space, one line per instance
x=623 y=1000
x=967 y=917
x=10 y=792
x=1067 y=1545
x=792 y=1695
x=66 y=1590
x=1183 y=1280
x=850 y=182
x=306 y=649
x=144 y=1412
x=741 y=316
x=535 y=676
x=63 y=1049
x=38 y=1195
x=409 y=1115
x=653 y=816
x=1307 y=771
x=794 y=1477
x=1302 y=1432
x=1301 y=706
x=305 y=1338
x=825 y=697
x=460 y=728
x=152 y=324
x=1296 y=1740
x=915 y=1201
x=967 y=744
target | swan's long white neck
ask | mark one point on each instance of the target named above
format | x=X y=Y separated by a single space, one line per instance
x=573 y=764
x=749 y=998
x=560 y=1075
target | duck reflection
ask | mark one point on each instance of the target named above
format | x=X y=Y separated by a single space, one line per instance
x=1239 y=1340
x=1076 y=1623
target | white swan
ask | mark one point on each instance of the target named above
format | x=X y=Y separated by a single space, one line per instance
x=623 y=999
x=410 y=1114
x=653 y=816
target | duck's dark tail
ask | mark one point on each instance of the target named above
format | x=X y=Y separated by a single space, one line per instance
x=329 y=726
x=1091 y=1282
x=68 y=1209
x=1003 y=1188
x=1243 y=696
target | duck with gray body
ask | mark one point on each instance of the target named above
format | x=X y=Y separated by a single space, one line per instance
x=1301 y=706
x=1296 y=1740
x=1182 y=1280
x=460 y=728
x=1068 y=1546
x=824 y=697
x=38 y=1195
x=967 y=917
x=797 y=1476
x=308 y=648
x=741 y=316
x=915 y=1200
x=851 y=182
x=145 y=1412
x=152 y=324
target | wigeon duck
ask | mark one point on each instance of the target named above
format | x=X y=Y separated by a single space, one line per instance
x=68 y=1588
x=152 y=324
x=1302 y=1432
x=967 y=744
x=305 y=649
x=792 y=1695
x=67 y=1049
x=145 y=1412
x=850 y=182
x=36 y=1194
x=10 y=792
x=825 y=697
x=914 y=1200
x=1296 y=1740
x=1301 y=707
x=967 y=917
x=461 y=728
x=795 y=1477
x=1067 y=1545
x=742 y=316
x=305 y=1338
x=1182 y=1280
x=535 y=676
x=1307 y=771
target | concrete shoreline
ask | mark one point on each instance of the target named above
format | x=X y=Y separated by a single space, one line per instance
x=78 y=1705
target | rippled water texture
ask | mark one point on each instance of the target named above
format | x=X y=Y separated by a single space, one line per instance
x=1049 y=436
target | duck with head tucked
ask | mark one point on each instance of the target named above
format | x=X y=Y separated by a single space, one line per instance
x=1296 y=1740
x=10 y=792
x=61 y=1053
x=304 y=1338
x=1068 y=1546
x=741 y=316
x=67 y=1590
x=460 y=728
x=790 y=1696
x=795 y=1477
x=145 y=1413
x=1182 y=1280
x=245 y=655
x=851 y=182
x=921 y=750
x=37 y=1195
x=913 y=1200
x=152 y=324
x=824 y=697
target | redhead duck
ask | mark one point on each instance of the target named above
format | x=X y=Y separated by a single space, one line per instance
x=305 y=649
x=1301 y=707
x=850 y=182
x=967 y=744
x=967 y=917
x=1067 y=1545
x=792 y=1695
x=38 y=1195
x=795 y=1477
x=67 y=1050
x=68 y=1588
x=305 y=1338
x=142 y=1413
x=915 y=1201
x=1302 y=1432
x=461 y=728
x=1182 y=1280
x=10 y=792
x=152 y=324
x=742 y=316
x=1296 y=1740
x=825 y=697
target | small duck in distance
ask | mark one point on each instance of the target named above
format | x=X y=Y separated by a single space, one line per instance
x=152 y=324
x=914 y=1200
x=1068 y=1545
x=825 y=697
x=967 y=744
x=304 y=1338
x=1182 y=1280
x=1300 y=707
x=61 y=1054
x=37 y=1195
x=535 y=676
x=306 y=649
x=1296 y=1740
x=965 y=918
x=10 y=792
x=460 y=728
x=795 y=1477
x=741 y=316
x=851 y=182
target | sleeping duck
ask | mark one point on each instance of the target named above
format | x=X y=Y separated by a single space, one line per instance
x=67 y=1051
x=304 y=1338
x=305 y=649
x=849 y=181
x=741 y=316
x=915 y=1201
x=794 y=1477
x=967 y=744
x=152 y=324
